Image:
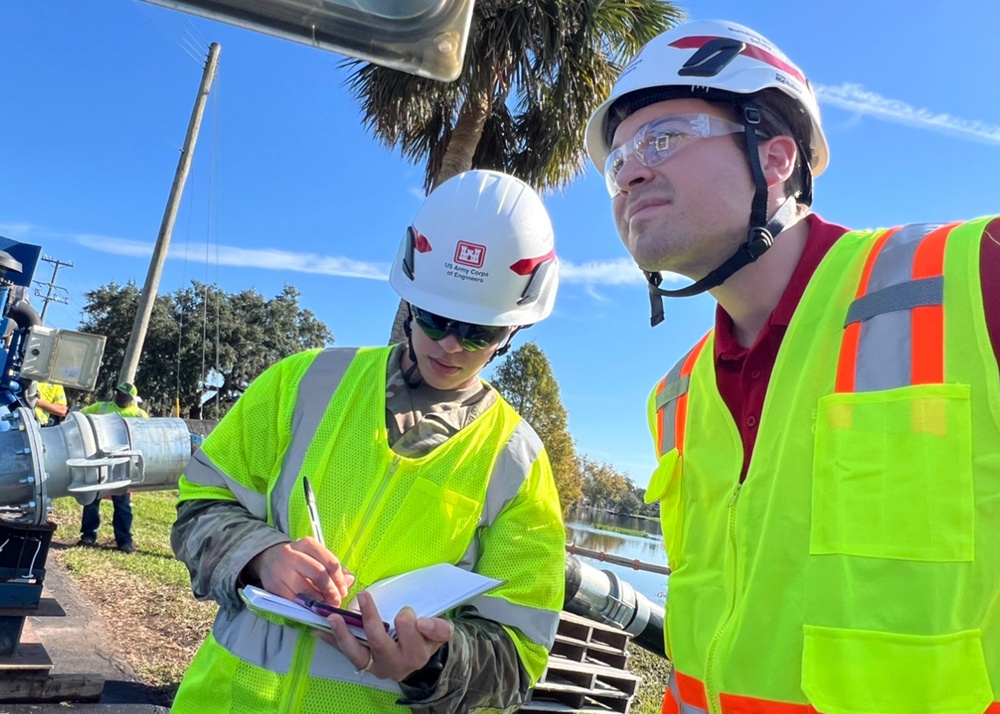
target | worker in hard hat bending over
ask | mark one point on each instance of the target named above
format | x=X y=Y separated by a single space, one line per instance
x=414 y=460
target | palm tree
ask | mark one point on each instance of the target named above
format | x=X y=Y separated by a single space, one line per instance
x=534 y=71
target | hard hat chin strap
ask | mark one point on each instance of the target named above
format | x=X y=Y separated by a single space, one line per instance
x=412 y=378
x=760 y=235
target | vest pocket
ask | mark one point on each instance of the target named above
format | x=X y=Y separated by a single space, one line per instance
x=665 y=487
x=855 y=671
x=427 y=509
x=892 y=475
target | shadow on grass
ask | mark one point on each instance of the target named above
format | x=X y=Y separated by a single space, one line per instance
x=110 y=548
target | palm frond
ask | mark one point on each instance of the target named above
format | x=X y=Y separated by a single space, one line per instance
x=536 y=68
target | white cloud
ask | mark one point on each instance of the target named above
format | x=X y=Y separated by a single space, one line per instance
x=15 y=229
x=591 y=274
x=267 y=259
x=592 y=293
x=116 y=246
x=611 y=272
x=855 y=98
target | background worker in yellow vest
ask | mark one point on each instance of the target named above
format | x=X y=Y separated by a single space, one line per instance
x=51 y=406
x=126 y=404
x=829 y=454
x=414 y=460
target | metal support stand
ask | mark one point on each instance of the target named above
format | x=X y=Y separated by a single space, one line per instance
x=23 y=550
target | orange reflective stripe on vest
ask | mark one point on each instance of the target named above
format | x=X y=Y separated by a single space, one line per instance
x=899 y=307
x=671 y=401
x=684 y=694
x=690 y=698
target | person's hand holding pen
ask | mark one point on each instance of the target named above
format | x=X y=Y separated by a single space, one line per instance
x=304 y=565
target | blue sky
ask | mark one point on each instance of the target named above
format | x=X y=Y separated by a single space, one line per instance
x=288 y=188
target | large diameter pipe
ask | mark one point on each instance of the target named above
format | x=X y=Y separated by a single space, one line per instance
x=601 y=595
x=86 y=456
x=162 y=447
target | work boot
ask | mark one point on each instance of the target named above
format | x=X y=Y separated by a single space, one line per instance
x=87 y=540
x=126 y=547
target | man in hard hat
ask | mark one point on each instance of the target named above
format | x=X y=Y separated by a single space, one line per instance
x=414 y=460
x=829 y=454
x=125 y=404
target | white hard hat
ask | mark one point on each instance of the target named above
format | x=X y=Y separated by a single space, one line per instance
x=480 y=250
x=709 y=55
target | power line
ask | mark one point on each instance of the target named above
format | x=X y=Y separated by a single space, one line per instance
x=55 y=292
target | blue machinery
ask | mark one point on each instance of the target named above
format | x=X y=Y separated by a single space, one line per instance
x=84 y=457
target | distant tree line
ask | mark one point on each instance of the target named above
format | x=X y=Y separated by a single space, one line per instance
x=525 y=380
x=203 y=345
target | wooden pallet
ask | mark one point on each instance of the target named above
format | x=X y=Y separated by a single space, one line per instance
x=587 y=670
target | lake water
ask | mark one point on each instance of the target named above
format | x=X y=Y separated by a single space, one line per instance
x=581 y=529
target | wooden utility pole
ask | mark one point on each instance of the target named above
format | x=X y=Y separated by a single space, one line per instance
x=131 y=361
x=51 y=285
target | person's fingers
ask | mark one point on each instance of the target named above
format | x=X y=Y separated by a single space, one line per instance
x=349 y=645
x=304 y=566
x=415 y=646
x=378 y=639
x=324 y=572
x=342 y=578
x=435 y=629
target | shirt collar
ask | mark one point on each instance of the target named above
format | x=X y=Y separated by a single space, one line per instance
x=822 y=236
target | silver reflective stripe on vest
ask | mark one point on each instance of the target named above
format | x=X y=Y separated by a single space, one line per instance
x=200 y=470
x=884 y=312
x=537 y=625
x=676 y=692
x=271 y=646
x=510 y=471
x=316 y=389
x=674 y=388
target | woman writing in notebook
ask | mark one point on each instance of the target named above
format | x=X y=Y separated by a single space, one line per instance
x=413 y=460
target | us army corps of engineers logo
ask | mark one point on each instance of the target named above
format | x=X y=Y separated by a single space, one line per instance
x=468 y=262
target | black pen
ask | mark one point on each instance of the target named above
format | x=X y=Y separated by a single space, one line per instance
x=317 y=529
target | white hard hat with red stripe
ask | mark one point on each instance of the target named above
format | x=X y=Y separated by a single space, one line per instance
x=720 y=62
x=708 y=55
x=480 y=250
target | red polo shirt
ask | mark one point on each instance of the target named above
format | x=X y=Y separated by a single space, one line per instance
x=742 y=373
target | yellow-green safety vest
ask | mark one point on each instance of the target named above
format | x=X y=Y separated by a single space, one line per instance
x=473 y=501
x=857 y=567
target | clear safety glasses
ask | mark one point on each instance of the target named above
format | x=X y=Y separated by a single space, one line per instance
x=658 y=140
x=472 y=337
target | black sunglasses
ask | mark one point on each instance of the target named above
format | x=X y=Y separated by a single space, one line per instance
x=472 y=337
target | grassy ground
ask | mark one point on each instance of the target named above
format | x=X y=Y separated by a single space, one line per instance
x=157 y=625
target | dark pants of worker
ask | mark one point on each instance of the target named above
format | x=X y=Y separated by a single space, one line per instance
x=121 y=521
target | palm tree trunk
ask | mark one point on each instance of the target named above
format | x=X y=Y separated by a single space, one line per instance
x=465 y=137
x=398 y=334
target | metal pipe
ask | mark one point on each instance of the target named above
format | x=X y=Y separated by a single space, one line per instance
x=601 y=595
x=634 y=563
x=86 y=456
